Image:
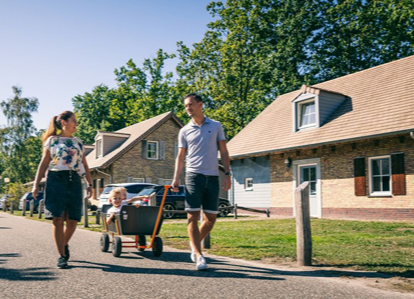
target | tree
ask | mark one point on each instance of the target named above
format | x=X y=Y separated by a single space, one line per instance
x=141 y=93
x=254 y=51
x=357 y=35
x=146 y=91
x=92 y=112
x=14 y=136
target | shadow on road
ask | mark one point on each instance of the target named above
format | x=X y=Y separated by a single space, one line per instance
x=181 y=268
x=34 y=274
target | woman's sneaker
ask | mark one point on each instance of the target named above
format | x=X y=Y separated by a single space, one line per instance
x=62 y=262
x=67 y=253
x=201 y=263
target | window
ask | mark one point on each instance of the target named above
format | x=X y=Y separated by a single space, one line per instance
x=308 y=174
x=248 y=184
x=136 y=180
x=101 y=183
x=380 y=176
x=307 y=114
x=99 y=150
x=167 y=182
x=152 y=150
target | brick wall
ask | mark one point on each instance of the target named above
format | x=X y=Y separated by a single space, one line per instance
x=337 y=185
x=133 y=165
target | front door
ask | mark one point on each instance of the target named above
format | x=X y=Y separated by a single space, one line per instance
x=308 y=173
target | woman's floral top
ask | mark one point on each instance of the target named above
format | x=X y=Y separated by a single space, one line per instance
x=66 y=154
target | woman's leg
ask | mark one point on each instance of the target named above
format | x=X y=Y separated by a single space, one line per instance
x=59 y=235
x=70 y=229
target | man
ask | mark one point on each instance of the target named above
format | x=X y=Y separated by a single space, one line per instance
x=199 y=142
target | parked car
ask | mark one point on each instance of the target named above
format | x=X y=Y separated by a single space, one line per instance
x=3 y=200
x=174 y=200
x=132 y=190
x=27 y=198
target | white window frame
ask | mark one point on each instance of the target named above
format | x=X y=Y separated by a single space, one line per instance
x=371 y=180
x=248 y=184
x=138 y=180
x=168 y=181
x=157 y=150
x=99 y=148
x=299 y=114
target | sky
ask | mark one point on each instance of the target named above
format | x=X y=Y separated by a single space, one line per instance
x=55 y=49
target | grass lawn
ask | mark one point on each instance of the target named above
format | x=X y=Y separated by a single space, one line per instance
x=371 y=246
x=374 y=246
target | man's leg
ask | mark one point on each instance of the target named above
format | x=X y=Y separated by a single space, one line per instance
x=207 y=225
x=193 y=231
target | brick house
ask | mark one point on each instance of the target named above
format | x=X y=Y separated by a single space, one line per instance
x=351 y=138
x=143 y=152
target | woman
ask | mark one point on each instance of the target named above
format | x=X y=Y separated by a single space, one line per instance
x=65 y=162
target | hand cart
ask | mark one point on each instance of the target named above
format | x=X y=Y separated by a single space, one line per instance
x=136 y=221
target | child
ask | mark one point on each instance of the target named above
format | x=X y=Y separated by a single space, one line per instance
x=118 y=199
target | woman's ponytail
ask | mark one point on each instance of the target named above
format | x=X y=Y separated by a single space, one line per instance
x=56 y=124
x=51 y=130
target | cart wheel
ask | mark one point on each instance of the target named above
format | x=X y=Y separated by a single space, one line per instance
x=157 y=247
x=104 y=242
x=168 y=207
x=142 y=242
x=117 y=247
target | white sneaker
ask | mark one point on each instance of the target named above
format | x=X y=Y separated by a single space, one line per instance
x=193 y=254
x=201 y=263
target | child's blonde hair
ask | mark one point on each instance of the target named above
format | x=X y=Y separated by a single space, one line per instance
x=122 y=189
x=114 y=192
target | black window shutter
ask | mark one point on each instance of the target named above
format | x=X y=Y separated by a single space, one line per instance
x=144 y=149
x=359 y=176
x=398 y=174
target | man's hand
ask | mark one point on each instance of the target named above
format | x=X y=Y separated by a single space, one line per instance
x=174 y=185
x=89 y=192
x=35 y=191
x=226 y=183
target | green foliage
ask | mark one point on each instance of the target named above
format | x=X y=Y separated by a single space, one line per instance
x=356 y=35
x=92 y=111
x=253 y=51
x=141 y=93
x=16 y=191
x=18 y=151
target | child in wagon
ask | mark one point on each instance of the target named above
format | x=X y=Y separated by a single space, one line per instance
x=118 y=199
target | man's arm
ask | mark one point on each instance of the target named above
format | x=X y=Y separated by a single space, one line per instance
x=225 y=159
x=179 y=165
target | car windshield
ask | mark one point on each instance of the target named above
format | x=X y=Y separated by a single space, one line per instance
x=147 y=191
x=108 y=189
x=134 y=188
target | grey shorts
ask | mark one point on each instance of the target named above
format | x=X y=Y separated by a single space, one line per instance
x=201 y=191
x=63 y=194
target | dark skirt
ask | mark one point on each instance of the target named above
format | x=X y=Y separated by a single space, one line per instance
x=63 y=194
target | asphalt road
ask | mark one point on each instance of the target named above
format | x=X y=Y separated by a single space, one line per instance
x=28 y=270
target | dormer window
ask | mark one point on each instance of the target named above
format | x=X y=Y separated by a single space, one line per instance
x=99 y=149
x=314 y=107
x=307 y=114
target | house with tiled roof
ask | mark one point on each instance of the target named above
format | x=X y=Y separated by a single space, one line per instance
x=351 y=138
x=143 y=152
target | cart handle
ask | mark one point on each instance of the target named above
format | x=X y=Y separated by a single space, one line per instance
x=166 y=187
